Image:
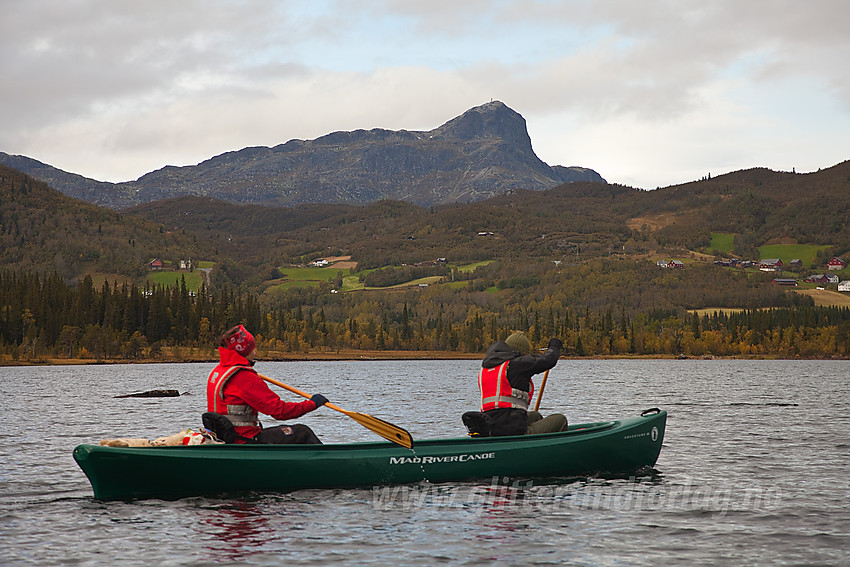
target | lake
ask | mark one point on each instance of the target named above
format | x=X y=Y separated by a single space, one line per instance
x=755 y=470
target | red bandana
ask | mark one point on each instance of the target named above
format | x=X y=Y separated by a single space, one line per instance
x=241 y=341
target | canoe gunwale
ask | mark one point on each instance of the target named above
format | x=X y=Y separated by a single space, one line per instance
x=579 y=430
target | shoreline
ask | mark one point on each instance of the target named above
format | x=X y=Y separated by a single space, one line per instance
x=267 y=356
x=351 y=355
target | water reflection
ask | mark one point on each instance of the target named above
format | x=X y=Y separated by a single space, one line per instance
x=506 y=507
x=235 y=530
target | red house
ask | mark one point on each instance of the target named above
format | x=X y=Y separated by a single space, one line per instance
x=770 y=265
x=836 y=264
x=156 y=264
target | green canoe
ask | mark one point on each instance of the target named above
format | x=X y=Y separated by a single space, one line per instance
x=619 y=446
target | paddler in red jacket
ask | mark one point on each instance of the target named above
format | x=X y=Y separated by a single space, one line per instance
x=235 y=390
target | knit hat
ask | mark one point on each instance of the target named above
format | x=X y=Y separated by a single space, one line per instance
x=519 y=342
x=240 y=340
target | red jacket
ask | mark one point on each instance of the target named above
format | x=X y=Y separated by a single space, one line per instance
x=245 y=387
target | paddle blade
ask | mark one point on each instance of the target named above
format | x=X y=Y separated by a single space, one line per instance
x=383 y=428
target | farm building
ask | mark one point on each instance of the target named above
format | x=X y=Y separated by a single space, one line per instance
x=770 y=264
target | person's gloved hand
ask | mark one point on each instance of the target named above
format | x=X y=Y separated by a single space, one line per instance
x=319 y=400
x=555 y=342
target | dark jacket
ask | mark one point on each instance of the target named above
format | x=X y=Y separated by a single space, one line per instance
x=521 y=367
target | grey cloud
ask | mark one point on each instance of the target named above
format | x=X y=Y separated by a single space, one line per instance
x=153 y=77
x=73 y=58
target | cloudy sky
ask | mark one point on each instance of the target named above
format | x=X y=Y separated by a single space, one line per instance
x=648 y=93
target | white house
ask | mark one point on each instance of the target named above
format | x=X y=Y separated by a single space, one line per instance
x=844 y=286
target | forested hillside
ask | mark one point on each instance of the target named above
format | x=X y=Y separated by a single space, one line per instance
x=524 y=224
x=44 y=230
x=572 y=222
x=44 y=317
x=758 y=205
x=577 y=261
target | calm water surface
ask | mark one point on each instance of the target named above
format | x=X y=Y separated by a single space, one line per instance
x=755 y=470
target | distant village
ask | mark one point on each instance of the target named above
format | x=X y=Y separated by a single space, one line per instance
x=776 y=265
x=766 y=265
x=156 y=265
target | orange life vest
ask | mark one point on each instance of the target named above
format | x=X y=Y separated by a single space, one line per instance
x=496 y=391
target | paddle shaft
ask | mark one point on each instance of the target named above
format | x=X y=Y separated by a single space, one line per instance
x=540 y=394
x=383 y=428
x=300 y=393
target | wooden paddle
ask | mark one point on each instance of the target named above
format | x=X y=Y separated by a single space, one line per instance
x=383 y=428
x=540 y=394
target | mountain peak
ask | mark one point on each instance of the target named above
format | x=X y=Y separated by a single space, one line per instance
x=491 y=120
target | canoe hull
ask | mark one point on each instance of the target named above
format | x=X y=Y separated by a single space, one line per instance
x=173 y=472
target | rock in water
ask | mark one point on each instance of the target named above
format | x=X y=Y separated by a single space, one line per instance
x=153 y=394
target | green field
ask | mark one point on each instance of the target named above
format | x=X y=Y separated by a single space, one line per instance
x=712 y=310
x=471 y=267
x=426 y=280
x=193 y=279
x=310 y=276
x=788 y=252
x=722 y=242
x=352 y=283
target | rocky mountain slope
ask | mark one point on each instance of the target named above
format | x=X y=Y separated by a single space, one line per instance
x=486 y=151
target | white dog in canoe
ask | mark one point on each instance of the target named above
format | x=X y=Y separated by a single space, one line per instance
x=185 y=437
